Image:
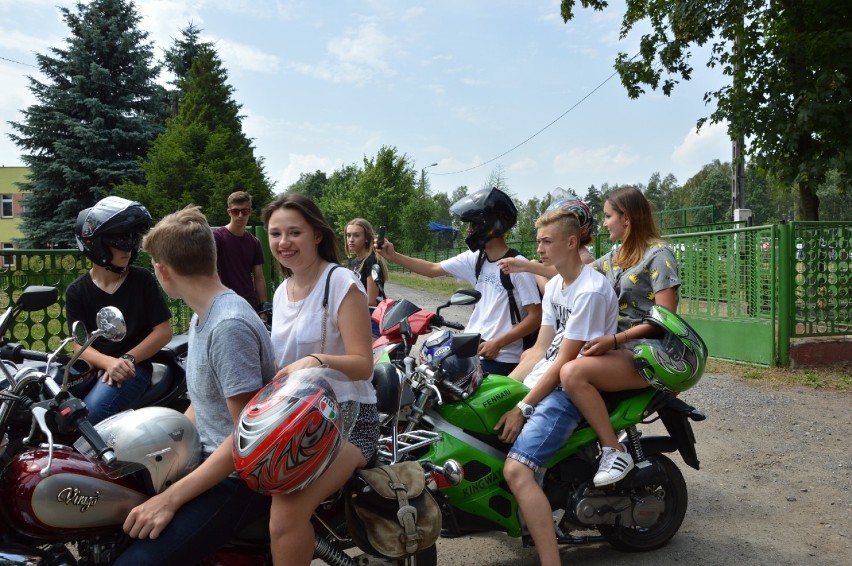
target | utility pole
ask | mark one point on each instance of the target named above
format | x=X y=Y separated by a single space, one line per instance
x=738 y=140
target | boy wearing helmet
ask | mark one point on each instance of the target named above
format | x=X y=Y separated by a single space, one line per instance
x=109 y=234
x=491 y=215
x=579 y=304
x=229 y=359
x=565 y=200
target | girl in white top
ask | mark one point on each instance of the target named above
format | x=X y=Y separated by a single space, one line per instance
x=305 y=246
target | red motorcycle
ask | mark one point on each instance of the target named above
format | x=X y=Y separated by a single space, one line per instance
x=66 y=506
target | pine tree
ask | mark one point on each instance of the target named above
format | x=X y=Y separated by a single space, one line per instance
x=203 y=156
x=96 y=114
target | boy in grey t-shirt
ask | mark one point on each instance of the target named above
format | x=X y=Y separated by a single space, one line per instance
x=229 y=360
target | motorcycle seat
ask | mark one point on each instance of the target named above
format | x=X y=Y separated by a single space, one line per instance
x=161 y=384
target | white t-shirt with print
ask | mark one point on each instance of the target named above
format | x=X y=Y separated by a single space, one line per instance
x=490 y=317
x=585 y=309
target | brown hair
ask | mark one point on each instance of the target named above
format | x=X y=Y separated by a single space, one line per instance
x=642 y=230
x=184 y=241
x=239 y=197
x=369 y=236
x=327 y=247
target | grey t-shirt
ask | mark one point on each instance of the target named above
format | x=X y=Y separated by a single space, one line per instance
x=637 y=286
x=229 y=354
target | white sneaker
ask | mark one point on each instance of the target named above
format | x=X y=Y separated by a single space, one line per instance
x=615 y=464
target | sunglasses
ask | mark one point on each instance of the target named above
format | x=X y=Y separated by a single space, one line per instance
x=239 y=211
x=124 y=242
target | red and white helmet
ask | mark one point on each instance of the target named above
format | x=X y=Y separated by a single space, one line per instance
x=288 y=433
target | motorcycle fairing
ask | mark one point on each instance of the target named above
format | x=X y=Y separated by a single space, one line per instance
x=390 y=313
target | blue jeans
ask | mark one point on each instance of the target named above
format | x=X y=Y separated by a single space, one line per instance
x=498 y=368
x=104 y=400
x=201 y=527
x=547 y=430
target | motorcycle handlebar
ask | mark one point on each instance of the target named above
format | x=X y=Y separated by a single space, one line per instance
x=16 y=353
x=454 y=325
x=454 y=389
x=102 y=451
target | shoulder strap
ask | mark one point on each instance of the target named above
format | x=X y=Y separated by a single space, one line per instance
x=506 y=280
x=327 y=284
x=480 y=261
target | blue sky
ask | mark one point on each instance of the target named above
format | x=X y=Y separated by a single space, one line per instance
x=457 y=83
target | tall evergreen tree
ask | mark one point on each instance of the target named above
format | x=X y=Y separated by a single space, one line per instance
x=96 y=114
x=203 y=156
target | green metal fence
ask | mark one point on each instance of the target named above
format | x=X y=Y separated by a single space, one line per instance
x=749 y=291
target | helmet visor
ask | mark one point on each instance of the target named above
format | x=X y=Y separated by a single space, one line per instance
x=124 y=242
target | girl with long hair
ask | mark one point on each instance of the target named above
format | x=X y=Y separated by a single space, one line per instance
x=643 y=272
x=306 y=333
x=359 y=236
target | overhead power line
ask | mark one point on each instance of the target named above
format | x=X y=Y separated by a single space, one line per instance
x=510 y=150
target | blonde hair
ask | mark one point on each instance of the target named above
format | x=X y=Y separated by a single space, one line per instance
x=369 y=236
x=568 y=221
x=640 y=232
x=184 y=241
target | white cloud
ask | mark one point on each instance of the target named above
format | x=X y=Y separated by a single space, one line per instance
x=712 y=140
x=298 y=164
x=241 y=56
x=608 y=159
x=525 y=165
x=357 y=57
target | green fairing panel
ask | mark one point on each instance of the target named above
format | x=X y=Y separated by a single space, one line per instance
x=480 y=412
x=485 y=495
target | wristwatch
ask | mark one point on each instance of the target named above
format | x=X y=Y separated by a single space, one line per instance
x=129 y=357
x=527 y=410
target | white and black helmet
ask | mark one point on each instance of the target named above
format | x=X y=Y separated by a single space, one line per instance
x=157 y=440
x=113 y=221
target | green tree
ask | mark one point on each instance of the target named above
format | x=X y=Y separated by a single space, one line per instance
x=310 y=184
x=203 y=156
x=790 y=77
x=710 y=186
x=95 y=117
x=595 y=201
x=180 y=56
x=178 y=59
x=661 y=192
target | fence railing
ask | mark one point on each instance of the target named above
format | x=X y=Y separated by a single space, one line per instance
x=748 y=290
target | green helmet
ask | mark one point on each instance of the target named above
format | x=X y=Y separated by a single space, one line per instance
x=676 y=361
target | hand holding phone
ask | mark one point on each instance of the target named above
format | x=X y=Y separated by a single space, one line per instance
x=380 y=241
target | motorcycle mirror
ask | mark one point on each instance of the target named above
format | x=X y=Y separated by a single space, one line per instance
x=79 y=332
x=465 y=344
x=111 y=324
x=465 y=297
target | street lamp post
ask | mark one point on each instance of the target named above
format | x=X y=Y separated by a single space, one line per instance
x=423 y=175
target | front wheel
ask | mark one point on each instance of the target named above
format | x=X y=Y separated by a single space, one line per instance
x=635 y=539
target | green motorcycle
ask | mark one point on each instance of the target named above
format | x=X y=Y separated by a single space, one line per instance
x=448 y=421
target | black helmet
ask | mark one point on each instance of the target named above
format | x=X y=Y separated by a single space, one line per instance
x=113 y=221
x=491 y=213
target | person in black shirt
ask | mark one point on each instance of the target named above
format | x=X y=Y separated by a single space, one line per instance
x=110 y=234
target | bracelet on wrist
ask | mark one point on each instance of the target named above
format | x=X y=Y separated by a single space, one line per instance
x=319 y=361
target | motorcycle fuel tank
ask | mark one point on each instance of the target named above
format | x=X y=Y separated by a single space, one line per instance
x=76 y=498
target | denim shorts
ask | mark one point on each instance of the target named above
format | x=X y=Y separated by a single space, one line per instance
x=546 y=431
